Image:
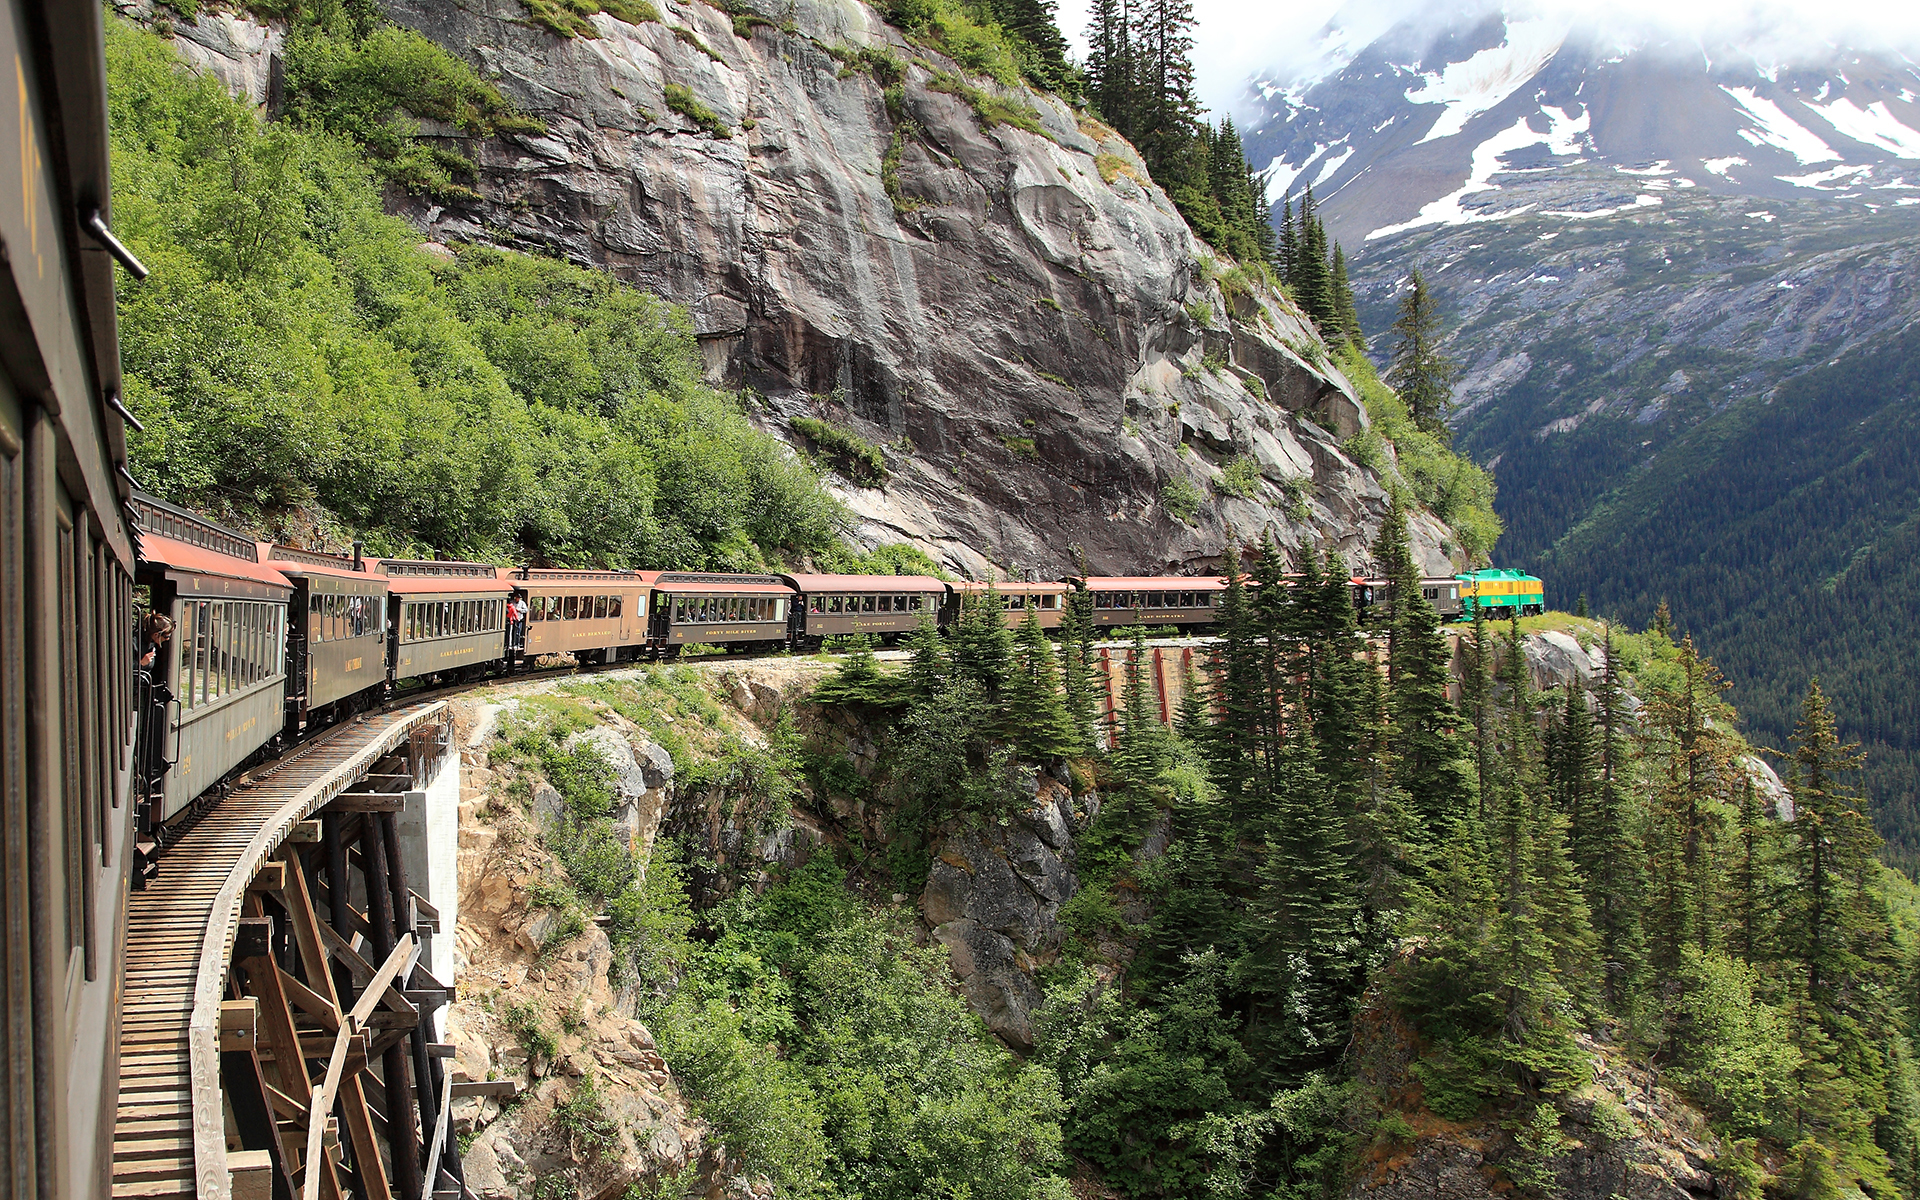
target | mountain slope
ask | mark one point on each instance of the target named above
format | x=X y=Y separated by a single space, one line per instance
x=1648 y=256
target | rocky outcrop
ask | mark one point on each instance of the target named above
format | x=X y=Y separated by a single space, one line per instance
x=538 y=1006
x=972 y=277
x=991 y=898
x=1619 y=1136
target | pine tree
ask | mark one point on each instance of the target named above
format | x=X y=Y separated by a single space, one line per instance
x=1233 y=742
x=1141 y=758
x=1042 y=48
x=1082 y=677
x=1111 y=69
x=1421 y=372
x=1749 y=896
x=1832 y=844
x=1035 y=713
x=1611 y=863
x=1479 y=697
x=1427 y=752
x=1687 y=726
x=982 y=643
x=928 y=664
x=1346 y=315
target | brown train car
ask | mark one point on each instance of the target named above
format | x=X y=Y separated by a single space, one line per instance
x=444 y=618
x=337 y=630
x=1155 y=599
x=736 y=611
x=602 y=614
x=875 y=605
x=1049 y=600
x=1443 y=592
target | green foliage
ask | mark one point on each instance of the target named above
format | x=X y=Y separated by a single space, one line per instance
x=989 y=107
x=1008 y=40
x=1239 y=476
x=583 y=1117
x=1181 y=499
x=297 y=351
x=369 y=85
x=523 y=1021
x=680 y=98
x=853 y=456
x=570 y=18
x=1423 y=468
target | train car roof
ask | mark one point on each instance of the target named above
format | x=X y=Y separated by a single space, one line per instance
x=561 y=575
x=181 y=559
x=975 y=587
x=292 y=561
x=447 y=585
x=1130 y=583
x=716 y=583
x=866 y=583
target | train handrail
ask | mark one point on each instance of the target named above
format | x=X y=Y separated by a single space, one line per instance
x=213 y=1180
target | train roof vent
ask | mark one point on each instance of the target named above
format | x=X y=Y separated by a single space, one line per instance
x=697 y=577
x=316 y=557
x=426 y=567
x=162 y=519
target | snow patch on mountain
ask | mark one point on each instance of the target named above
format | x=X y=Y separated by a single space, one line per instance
x=1874 y=125
x=1480 y=82
x=1778 y=130
x=1565 y=136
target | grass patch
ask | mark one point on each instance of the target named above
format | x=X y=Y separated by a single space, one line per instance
x=691 y=38
x=853 y=456
x=572 y=18
x=680 y=99
x=990 y=109
x=1023 y=447
x=1112 y=167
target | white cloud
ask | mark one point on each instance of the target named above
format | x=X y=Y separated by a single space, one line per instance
x=1238 y=41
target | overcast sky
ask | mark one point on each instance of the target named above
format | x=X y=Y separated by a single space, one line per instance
x=1238 y=39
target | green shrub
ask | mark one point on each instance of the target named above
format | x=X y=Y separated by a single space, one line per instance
x=523 y=1021
x=1240 y=476
x=680 y=99
x=583 y=1117
x=990 y=109
x=853 y=456
x=1181 y=499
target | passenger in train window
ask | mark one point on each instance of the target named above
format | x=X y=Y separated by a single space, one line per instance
x=816 y=604
x=159 y=628
x=613 y=606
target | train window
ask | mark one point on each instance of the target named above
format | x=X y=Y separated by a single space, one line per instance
x=536 y=608
x=913 y=603
x=816 y=604
x=570 y=608
x=586 y=608
x=1186 y=599
x=613 y=606
x=779 y=608
x=599 y=608
x=833 y=604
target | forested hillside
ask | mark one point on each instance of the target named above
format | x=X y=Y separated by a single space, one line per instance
x=1326 y=924
x=1786 y=536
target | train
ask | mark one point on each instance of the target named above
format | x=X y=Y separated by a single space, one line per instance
x=264 y=642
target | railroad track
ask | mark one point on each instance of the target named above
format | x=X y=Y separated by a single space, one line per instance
x=179 y=936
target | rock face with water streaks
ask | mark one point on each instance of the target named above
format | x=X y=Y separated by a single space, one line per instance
x=1041 y=347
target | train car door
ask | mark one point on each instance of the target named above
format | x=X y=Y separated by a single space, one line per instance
x=627 y=604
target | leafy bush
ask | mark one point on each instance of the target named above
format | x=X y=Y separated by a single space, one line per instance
x=1181 y=498
x=680 y=99
x=1451 y=487
x=1240 y=476
x=583 y=1117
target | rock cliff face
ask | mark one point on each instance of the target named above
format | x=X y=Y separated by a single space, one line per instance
x=1033 y=336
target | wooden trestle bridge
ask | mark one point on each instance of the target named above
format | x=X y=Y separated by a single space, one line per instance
x=276 y=1039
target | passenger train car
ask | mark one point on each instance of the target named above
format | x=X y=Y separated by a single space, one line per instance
x=68 y=689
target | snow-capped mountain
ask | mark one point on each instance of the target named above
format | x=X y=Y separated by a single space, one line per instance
x=1496 y=114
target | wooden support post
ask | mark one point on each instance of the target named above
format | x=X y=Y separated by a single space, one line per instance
x=402 y=1138
x=253 y=1117
x=428 y=1075
x=368 y=1166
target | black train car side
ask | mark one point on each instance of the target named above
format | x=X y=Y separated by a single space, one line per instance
x=67 y=644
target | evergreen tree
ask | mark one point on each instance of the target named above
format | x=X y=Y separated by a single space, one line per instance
x=1688 y=725
x=1610 y=862
x=1035 y=712
x=1141 y=757
x=982 y=643
x=859 y=681
x=1832 y=845
x=1111 y=69
x=1421 y=372
x=1427 y=752
x=928 y=664
x=1479 y=697
x=1083 y=685
x=1041 y=47
x=1346 y=316
x=1233 y=743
